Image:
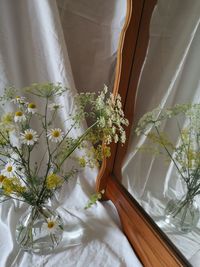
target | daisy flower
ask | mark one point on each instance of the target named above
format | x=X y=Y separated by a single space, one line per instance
x=54 y=106
x=32 y=108
x=29 y=137
x=51 y=226
x=9 y=170
x=19 y=100
x=19 y=116
x=55 y=135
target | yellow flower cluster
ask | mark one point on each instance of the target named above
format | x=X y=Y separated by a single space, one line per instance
x=12 y=185
x=53 y=181
x=7 y=118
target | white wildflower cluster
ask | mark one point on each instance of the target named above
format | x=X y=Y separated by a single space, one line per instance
x=54 y=106
x=46 y=90
x=111 y=117
x=155 y=117
x=193 y=115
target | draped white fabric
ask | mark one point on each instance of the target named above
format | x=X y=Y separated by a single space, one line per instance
x=170 y=75
x=33 y=49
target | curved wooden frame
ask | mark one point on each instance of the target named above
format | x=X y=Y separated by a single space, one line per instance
x=148 y=241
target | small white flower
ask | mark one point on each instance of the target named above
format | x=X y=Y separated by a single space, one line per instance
x=108 y=139
x=55 y=135
x=102 y=122
x=54 y=106
x=51 y=226
x=19 y=116
x=19 y=100
x=29 y=137
x=9 y=170
x=123 y=137
x=116 y=138
x=32 y=108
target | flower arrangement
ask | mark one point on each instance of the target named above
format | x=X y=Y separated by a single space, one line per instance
x=35 y=182
x=183 y=153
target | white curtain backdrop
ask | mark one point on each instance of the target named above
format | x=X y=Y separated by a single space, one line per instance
x=170 y=75
x=33 y=48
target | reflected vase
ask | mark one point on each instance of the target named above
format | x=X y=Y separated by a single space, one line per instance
x=39 y=230
x=183 y=214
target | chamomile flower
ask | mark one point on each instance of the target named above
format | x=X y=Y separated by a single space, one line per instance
x=19 y=100
x=51 y=226
x=55 y=135
x=19 y=116
x=9 y=169
x=54 y=106
x=29 y=137
x=32 y=108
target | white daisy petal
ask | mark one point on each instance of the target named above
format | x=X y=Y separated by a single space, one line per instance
x=51 y=226
x=29 y=137
x=55 y=135
x=32 y=108
x=9 y=169
x=19 y=116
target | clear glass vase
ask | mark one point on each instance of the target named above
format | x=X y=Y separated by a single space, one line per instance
x=39 y=230
x=182 y=214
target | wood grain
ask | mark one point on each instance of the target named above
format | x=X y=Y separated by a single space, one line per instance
x=150 y=244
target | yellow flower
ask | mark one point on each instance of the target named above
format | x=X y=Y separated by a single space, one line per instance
x=12 y=185
x=7 y=118
x=82 y=162
x=2 y=177
x=53 y=181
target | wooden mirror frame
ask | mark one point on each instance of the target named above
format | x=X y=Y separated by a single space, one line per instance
x=149 y=243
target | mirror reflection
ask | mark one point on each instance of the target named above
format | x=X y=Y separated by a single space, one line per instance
x=167 y=168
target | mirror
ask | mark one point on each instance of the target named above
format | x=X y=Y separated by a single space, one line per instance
x=169 y=76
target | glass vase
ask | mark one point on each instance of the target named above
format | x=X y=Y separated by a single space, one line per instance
x=39 y=230
x=182 y=214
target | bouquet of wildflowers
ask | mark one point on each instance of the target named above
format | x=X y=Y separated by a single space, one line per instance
x=184 y=152
x=21 y=178
x=30 y=127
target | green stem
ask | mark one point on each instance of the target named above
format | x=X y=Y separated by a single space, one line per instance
x=79 y=141
x=169 y=154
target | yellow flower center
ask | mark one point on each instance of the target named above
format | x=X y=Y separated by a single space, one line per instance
x=2 y=177
x=32 y=105
x=55 y=133
x=17 y=97
x=29 y=136
x=50 y=224
x=18 y=113
x=9 y=168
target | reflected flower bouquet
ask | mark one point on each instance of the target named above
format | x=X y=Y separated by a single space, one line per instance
x=184 y=153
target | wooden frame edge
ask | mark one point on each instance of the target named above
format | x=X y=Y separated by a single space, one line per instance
x=148 y=241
